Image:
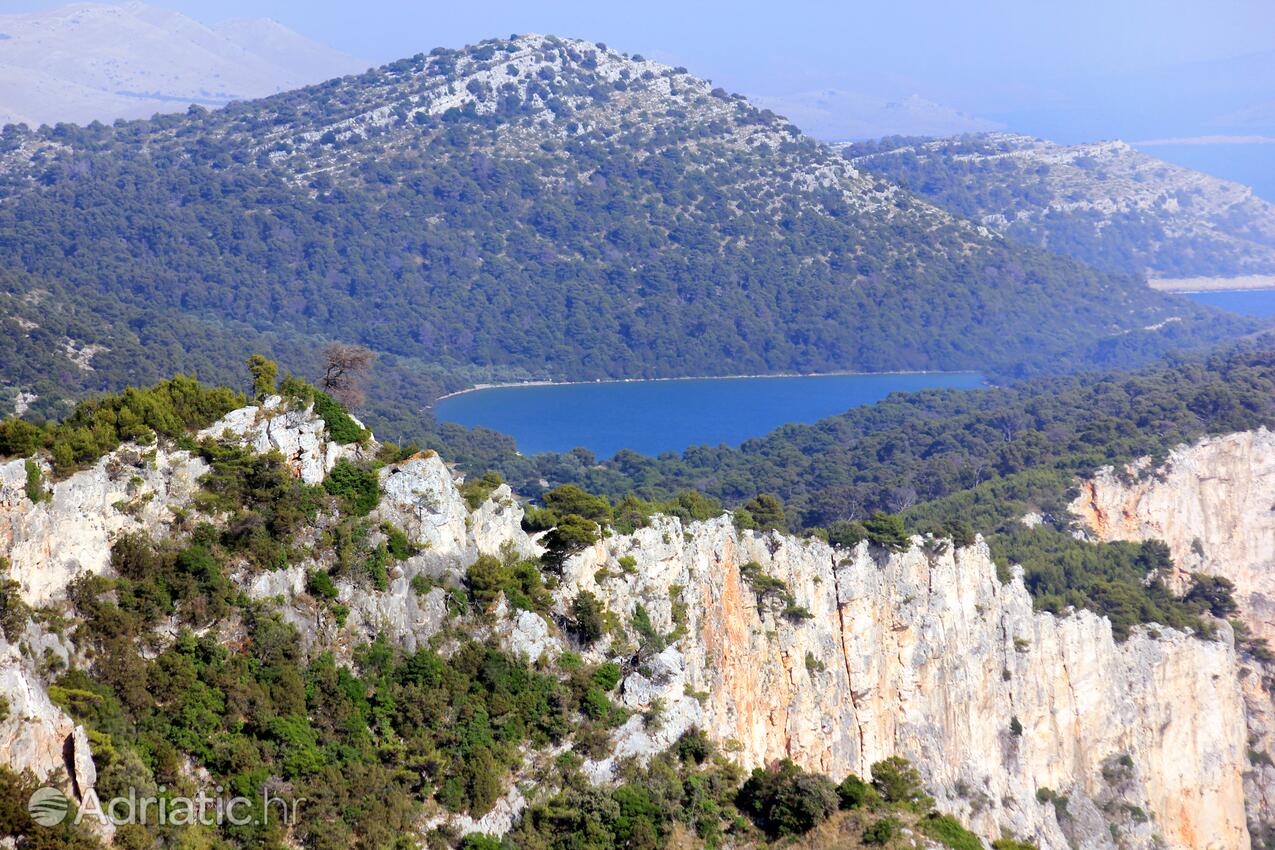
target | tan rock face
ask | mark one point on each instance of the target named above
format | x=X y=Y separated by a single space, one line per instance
x=928 y=655
x=1213 y=503
x=37 y=735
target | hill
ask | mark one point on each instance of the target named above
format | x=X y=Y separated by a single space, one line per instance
x=1103 y=202
x=524 y=207
x=94 y=61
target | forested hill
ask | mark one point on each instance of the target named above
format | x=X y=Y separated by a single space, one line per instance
x=1104 y=203
x=525 y=207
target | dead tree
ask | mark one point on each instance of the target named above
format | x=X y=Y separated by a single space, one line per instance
x=345 y=367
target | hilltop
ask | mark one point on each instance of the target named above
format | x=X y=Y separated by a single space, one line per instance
x=529 y=207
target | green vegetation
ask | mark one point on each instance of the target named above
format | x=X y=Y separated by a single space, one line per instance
x=786 y=800
x=173 y=245
x=170 y=409
x=357 y=488
x=35 y=482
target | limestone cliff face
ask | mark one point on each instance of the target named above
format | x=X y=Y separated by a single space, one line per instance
x=923 y=653
x=926 y=654
x=1213 y=503
x=70 y=532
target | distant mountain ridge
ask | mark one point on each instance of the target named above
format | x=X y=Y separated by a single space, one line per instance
x=92 y=61
x=1102 y=202
x=526 y=207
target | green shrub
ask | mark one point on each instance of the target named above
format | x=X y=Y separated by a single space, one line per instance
x=571 y=500
x=881 y=831
x=767 y=512
x=587 y=618
x=887 y=531
x=35 y=483
x=853 y=792
x=786 y=800
x=320 y=585
x=898 y=782
x=340 y=424
x=948 y=831
x=357 y=488
x=478 y=490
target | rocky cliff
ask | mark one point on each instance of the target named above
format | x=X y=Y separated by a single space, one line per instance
x=1213 y=503
x=1042 y=726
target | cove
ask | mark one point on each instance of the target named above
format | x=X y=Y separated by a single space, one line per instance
x=653 y=417
x=1248 y=302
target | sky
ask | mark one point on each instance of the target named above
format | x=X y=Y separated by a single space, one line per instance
x=1067 y=68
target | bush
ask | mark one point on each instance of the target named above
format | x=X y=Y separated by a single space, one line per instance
x=898 y=782
x=358 y=489
x=480 y=841
x=767 y=512
x=948 y=831
x=853 y=792
x=881 y=831
x=887 y=531
x=787 y=800
x=35 y=483
x=340 y=424
x=478 y=490
x=320 y=585
x=586 y=617
x=570 y=499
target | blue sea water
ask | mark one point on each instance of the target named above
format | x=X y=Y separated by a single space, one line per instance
x=1249 y=302
x=652 y=417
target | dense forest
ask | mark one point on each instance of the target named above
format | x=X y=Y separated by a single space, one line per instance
x=523 y=208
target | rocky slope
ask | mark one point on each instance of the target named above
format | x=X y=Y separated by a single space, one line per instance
x=857 y=655
x=1103 y=202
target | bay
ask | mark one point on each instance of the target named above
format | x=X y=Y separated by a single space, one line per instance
x=1248 y=302
x=652 y=417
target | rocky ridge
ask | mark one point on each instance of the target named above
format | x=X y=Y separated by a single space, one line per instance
x=924 y=653
x=1170 y=221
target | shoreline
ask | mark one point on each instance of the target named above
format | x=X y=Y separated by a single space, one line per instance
x=551 y=383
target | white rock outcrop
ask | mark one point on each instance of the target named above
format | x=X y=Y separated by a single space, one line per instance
x=296 y=433
x=69 y=533
x=1213 y=503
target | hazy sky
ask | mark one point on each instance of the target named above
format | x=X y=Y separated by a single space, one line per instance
x=1006 y=59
